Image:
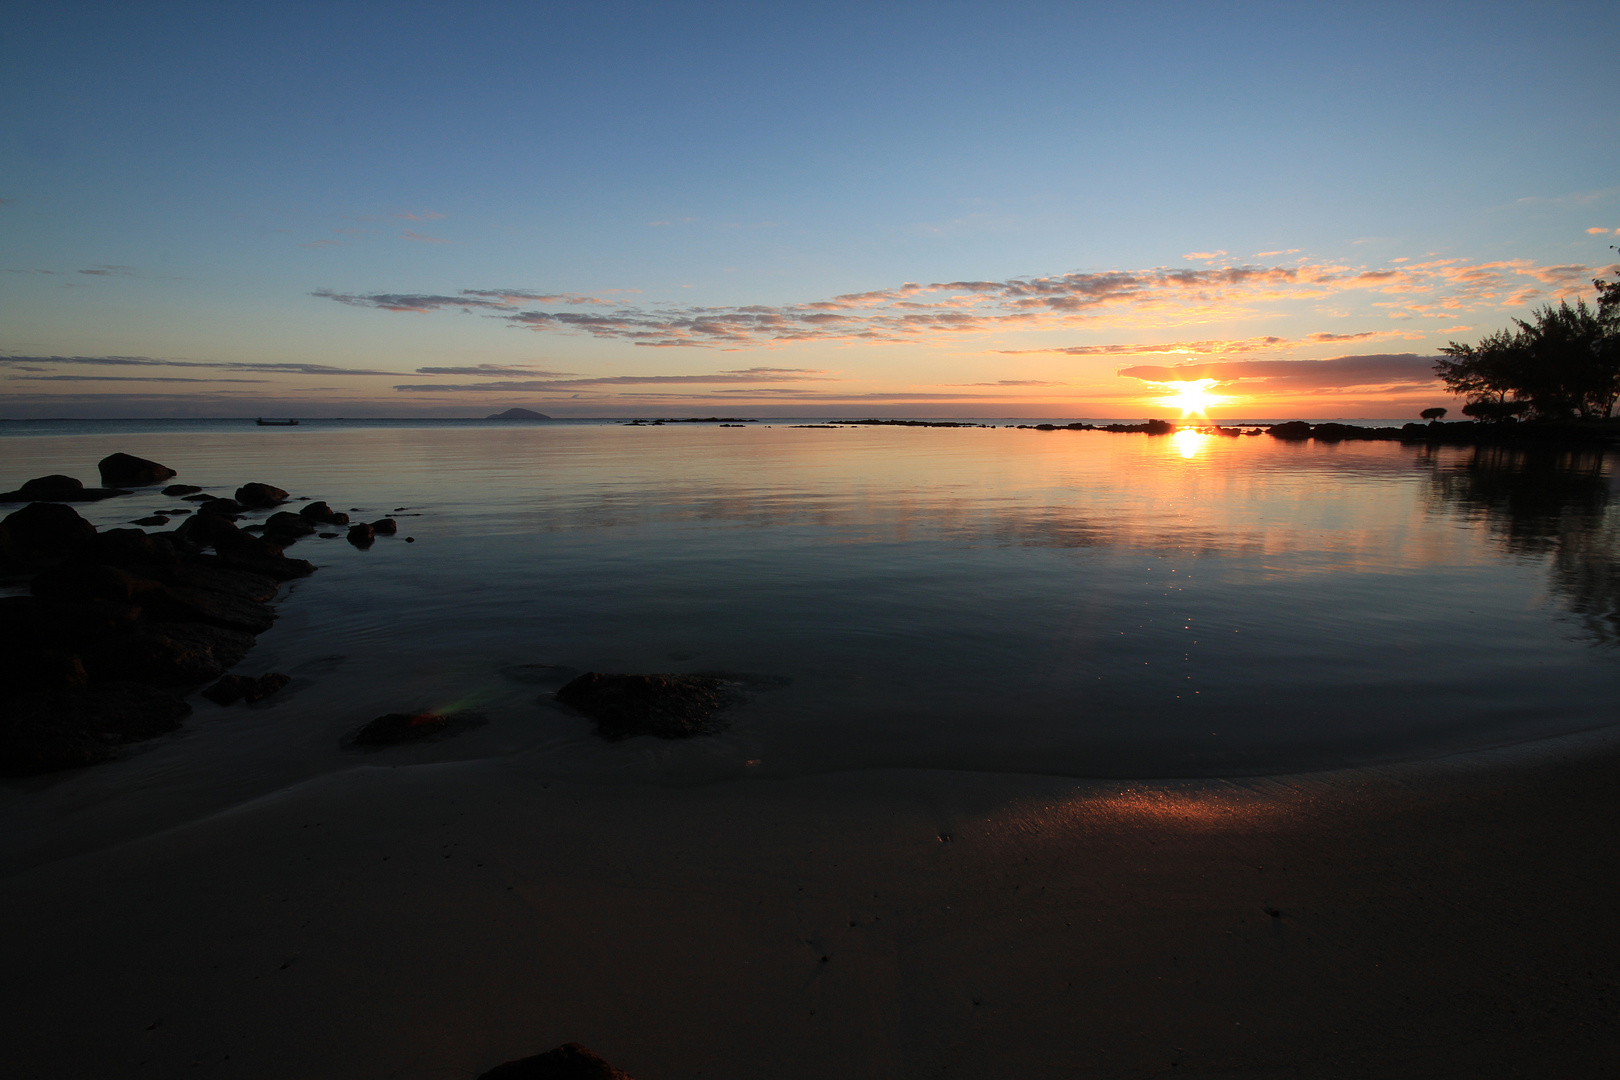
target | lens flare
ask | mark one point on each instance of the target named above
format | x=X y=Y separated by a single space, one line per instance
x=1192 y=398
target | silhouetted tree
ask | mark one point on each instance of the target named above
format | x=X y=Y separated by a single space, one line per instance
x=1563 y=363
x=1432 y=414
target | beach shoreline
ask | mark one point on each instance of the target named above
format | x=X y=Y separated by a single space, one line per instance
x=1444 y=917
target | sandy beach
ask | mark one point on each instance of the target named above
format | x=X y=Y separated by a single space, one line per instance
x=1444 y=918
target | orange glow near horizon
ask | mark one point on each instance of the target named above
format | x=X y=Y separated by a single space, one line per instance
x=1192 y=398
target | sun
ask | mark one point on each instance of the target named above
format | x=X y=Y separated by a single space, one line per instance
x=1192 y=398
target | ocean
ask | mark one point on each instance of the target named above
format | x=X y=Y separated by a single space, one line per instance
x=980 y=599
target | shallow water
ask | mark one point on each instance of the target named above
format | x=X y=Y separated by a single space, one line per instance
x=1075 y=603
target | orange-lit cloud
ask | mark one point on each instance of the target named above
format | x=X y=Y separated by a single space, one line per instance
x=745 y=375
x=1383 y=371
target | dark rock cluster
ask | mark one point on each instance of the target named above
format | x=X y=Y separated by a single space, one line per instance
x=119 y=625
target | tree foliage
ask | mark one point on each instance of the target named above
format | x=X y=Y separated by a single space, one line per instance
x=1563 y=363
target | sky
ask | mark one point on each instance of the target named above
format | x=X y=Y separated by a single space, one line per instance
x=763 y=209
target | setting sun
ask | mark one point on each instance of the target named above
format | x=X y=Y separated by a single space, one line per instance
x=1192 y=398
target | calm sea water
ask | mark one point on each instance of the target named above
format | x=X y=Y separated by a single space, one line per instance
x=977 y=599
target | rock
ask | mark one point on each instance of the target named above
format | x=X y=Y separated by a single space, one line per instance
x=261 y=496
x=214 y=574
x=33 y=670
x=126 y=470
x=133 y=549
x=276 y=568
x=517 y=414
x=44 y=531
x=58 y=488
x=62 y=729
x=385 y=526
x=170 y=654
x=1293 y=430
x=570 y=1061
x=177 y=603
x=322 y=514
x=233 y=688
x=91 y=581
x=154 y=520
x=397 y=728
x=181 y=489
x=200 y=498
x=26 y=622
x=290 y=523
x=667 y=706
x=361 y=535
x=221 y=507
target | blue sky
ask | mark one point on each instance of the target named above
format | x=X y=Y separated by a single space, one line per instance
x=584 y=196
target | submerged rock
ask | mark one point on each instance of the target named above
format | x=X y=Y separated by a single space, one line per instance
x=361 y=535
x=181 y=489
x=666 y=706
x=395 y=728
x=233 y=688
x=569 y=1061
x=127 y=470
x=385 y=527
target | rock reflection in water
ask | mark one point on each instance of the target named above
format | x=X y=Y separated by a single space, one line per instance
x=1553 y=504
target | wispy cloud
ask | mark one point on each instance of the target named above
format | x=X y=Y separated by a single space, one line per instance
x=428 y=215
x=105 y=270
x=745 y=375
x=1219 y=346
x=1205 y=256
x=409 y=235
x=495 y=371
x=914 y=312
x=32 y=363
x=125 y=378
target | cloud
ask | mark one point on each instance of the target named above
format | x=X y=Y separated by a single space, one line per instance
x=1009 y=382
x=104 y=270
x=915 y=312
x=1219 y=346
x=123 y=378
x=1269 y=254
x=493 y=371
x=746 y=375
x=429 y=215
x=1204 y=256
x=219 y=365
x=409 y=235
x=1600 y=231
x=1383 y=370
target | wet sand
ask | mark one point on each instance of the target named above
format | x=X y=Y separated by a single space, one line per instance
x=1450 y=918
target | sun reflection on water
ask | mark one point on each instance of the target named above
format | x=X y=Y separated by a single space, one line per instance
x=1189 y=441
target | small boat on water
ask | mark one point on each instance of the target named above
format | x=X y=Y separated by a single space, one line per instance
x=277 y=423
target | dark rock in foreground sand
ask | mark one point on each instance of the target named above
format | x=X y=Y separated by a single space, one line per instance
x=570 y=1061
x=127 y=470
x=395 y=728
x=62 y=729
x=233 y=688
x=667 y=706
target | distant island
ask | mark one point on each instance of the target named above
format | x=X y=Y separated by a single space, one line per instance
x=518 y=414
